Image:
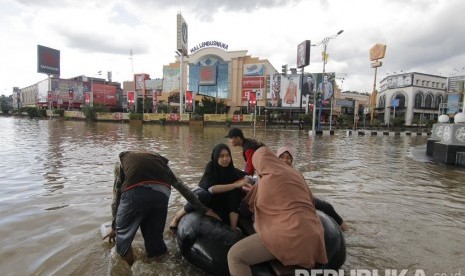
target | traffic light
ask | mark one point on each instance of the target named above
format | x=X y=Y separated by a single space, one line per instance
x=284 y=70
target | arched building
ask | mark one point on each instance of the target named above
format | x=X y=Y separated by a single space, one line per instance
x=232 y=76
x=415 y=97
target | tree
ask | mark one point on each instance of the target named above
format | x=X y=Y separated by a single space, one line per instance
x=211 y=106
x=6 y=104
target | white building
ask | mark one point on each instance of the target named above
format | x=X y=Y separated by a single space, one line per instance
x=416 y=97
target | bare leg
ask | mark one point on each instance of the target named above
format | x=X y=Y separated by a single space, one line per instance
x=129 y=257
x=177 y=217
x=233 y=218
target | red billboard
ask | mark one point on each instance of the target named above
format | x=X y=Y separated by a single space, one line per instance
x=207 y=75
x=48 y=60
x=252 y=99
x=131 y=97
x=189 y=101
x=246 y=94
x=104 y=94
x=253 y=82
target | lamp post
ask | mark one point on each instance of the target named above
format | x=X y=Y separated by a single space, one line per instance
x=324 y=42
x=181 y=82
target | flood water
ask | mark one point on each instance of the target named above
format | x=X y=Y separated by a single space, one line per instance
x=404 y=212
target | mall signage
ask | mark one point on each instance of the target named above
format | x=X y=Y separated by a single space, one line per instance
x=212 y=43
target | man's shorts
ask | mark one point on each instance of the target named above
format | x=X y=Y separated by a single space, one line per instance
x=147 y=208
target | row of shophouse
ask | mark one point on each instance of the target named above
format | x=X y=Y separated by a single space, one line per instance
x=249 y=85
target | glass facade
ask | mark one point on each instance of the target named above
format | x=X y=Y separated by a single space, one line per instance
x=221 y=87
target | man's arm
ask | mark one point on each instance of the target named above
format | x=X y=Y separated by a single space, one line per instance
x=187 y=194
x=118 y=182
x=249 y=168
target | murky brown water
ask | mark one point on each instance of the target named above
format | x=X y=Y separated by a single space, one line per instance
x=56 y=188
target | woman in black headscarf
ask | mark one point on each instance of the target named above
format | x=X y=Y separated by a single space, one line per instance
x=220 y=188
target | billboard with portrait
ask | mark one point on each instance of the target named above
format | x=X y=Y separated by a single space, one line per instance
x=290 y=90
x=274 y=97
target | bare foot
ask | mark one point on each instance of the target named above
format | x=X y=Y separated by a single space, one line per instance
x=344 y=226
x=174 y=224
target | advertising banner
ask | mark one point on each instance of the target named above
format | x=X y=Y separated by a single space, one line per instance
x=189 y=101
x=245 y=94
x=399 y=81
x=453 y=103
x=171 y=80
x=104 y=94
x=456 y=84
x=274 y=98
x=327 y=93
x=290 y=89
x=48 y=60
x=253 y=82
x=207 y=75
x=181 y=35
x=252 y=99
x=286 y=91
x=131 y=96
x=60 y=90
x=303 y=54
x=139 y=83
x=254 y=69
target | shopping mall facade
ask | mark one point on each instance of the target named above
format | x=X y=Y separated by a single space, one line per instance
x=244 y=83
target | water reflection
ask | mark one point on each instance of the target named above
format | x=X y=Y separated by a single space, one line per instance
x=404 y=210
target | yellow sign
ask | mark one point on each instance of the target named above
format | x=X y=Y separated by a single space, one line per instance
x=377 y=52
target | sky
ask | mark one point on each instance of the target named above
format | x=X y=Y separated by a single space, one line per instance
x=425 y=36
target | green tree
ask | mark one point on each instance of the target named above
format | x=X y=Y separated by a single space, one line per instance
x=6 y=104
x=33 y=112
x=211 y=106
x=89 y=113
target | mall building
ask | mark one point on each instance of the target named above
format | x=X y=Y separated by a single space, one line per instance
x=243 y=82
x=246 y=85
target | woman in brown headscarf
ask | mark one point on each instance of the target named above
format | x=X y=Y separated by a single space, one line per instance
x=288 y=228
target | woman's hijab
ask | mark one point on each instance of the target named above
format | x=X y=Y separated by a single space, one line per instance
x=285 y=217
x=215 y=174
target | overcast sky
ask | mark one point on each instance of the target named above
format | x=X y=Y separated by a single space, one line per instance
x=426 y=36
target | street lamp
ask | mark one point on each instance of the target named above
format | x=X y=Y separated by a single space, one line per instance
x=324 y=42
x=181 y=82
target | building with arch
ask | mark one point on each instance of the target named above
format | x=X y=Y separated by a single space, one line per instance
x=238 y=79
x=415 y=97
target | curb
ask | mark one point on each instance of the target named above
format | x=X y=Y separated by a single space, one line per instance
x=384 y=133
